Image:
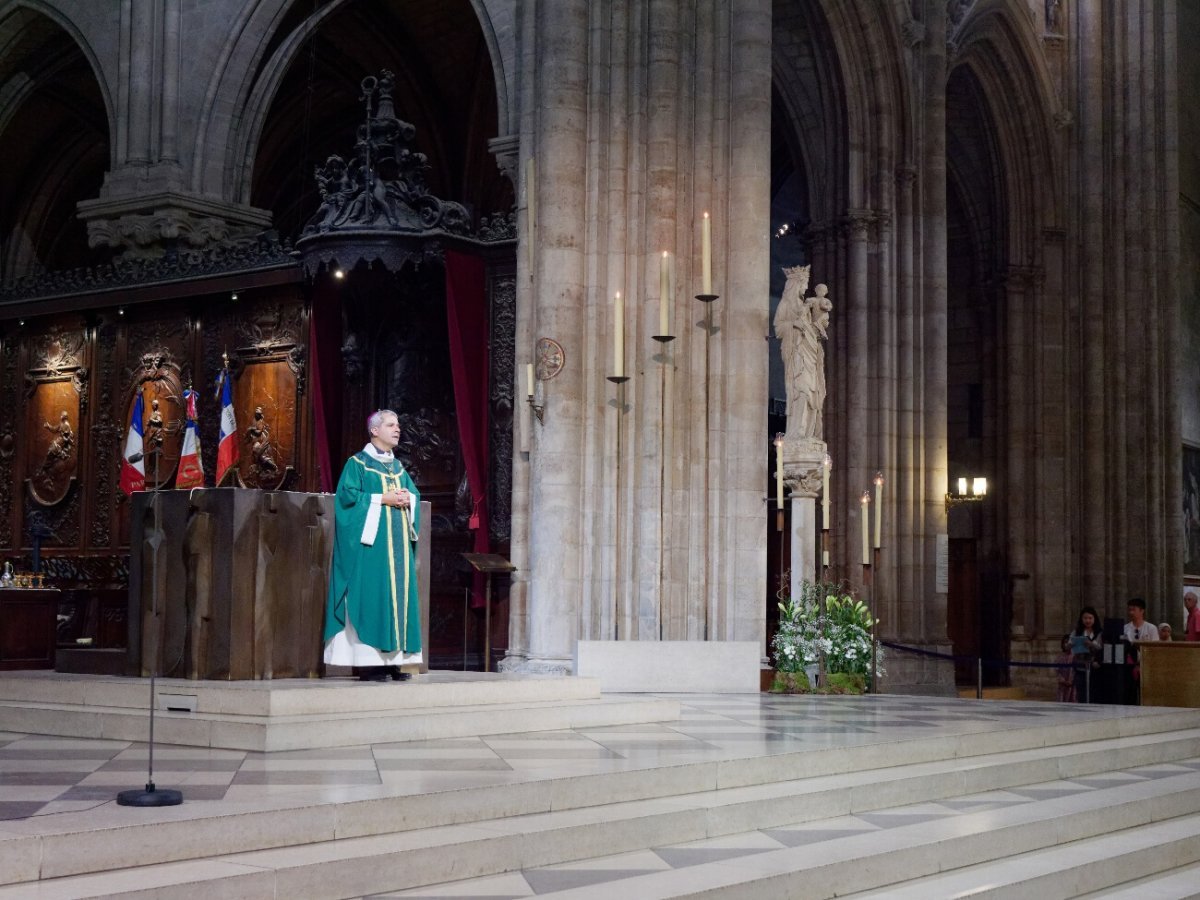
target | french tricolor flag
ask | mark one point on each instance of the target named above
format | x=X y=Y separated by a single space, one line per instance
x=191 y=469
x=227 y=449
x=133 y=464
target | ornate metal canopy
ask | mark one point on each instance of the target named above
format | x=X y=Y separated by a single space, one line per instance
x=377 y=206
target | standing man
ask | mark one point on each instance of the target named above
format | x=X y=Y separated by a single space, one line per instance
x=1137 y=628
x=371 y=616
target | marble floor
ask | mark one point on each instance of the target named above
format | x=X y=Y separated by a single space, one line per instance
x=67 y=786
x=44 y=776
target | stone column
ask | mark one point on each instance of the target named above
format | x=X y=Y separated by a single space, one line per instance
x=933 y=312
x=802 y=463
x=645 y=515
x=558 y=448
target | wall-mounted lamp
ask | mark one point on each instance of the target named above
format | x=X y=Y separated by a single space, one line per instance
x=120 y=310
x=969 y=490
x=339 y=274
x=233 y=296
x=539 y=409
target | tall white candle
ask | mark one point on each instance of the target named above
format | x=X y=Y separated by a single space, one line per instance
x=706 y=256
x=878 y=510
x=779 y=471
x=826 y=465
x=530 y=212
x=664 y=295
x=618 y=336
x=529 y=380
x=866 y=534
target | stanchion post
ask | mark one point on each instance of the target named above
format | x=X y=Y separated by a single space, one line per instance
x=979 y=678
x=1087 y=681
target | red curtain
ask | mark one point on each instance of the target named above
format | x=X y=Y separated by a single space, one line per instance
x=467 y=314
x=325 y=377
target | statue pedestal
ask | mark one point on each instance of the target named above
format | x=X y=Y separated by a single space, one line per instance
x=802 y=462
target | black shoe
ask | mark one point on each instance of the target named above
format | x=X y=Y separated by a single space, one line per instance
x=373 y=673
x=397 y=675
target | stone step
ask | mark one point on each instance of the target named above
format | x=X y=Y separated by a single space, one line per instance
x=1179 y=884
x=948 y=857
x=870 y=776
x=1071 y=870
x=294 y=696
x=374 y=845
x=309 y=714
x=327 y=730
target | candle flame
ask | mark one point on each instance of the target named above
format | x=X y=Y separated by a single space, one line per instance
x=779 y=439
x=706 y=214
x=879 y=478
x=827 y=461
x=866 y=498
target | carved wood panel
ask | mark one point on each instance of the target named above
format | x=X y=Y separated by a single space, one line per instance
x=158 y=381
x=53 y=440
x=9 y=357
x=264 y=401
x=107 y=436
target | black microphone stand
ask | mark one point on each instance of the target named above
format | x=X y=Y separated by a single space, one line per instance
x=153 y=796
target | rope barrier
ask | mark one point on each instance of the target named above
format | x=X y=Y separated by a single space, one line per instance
x=993 y=663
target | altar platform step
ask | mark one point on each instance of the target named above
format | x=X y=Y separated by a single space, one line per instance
x=1061 y=781
x=308 y=714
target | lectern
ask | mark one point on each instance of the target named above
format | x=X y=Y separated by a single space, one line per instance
x=488 y=564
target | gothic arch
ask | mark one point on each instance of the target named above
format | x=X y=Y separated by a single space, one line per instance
x=998 y=45
x=55 y=127
x=263 y=45
x=847 y=81
x=1004 y=169
x=16 y=18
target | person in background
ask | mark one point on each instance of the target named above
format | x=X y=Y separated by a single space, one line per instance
x=1191 y=625
x=1137 y=628
x=1066 y=674
x=1164 y=631
x=1086 y=648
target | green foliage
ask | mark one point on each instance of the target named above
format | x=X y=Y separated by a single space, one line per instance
x=842 y=631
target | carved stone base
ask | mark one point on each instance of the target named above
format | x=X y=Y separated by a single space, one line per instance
x=521 y=665
x=802 y=461
x=143 y=226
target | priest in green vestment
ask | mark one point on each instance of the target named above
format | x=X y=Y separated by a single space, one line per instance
x=371 y=616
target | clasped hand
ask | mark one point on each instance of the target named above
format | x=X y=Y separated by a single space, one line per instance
x=398 y=499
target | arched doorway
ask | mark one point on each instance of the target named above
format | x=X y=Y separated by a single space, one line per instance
x=392 y=346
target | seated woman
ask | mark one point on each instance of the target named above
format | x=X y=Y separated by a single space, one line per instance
x=1087 y=646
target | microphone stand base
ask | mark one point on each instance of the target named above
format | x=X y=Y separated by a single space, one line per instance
x=149 y=797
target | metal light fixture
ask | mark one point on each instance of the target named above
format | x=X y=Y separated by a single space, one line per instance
x=969 y=490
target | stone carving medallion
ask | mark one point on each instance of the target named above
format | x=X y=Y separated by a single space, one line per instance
x=549 y=358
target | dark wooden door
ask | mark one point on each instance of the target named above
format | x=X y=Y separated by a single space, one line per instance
x=962 y=606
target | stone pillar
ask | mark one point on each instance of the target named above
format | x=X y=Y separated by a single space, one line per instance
x=559 y=449
x=932 y=625
x=645 y=514
x=802 y=464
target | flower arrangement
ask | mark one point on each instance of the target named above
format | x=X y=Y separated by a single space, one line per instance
x=843 y=633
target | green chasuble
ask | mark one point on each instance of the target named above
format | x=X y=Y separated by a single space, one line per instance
x=374 y=583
